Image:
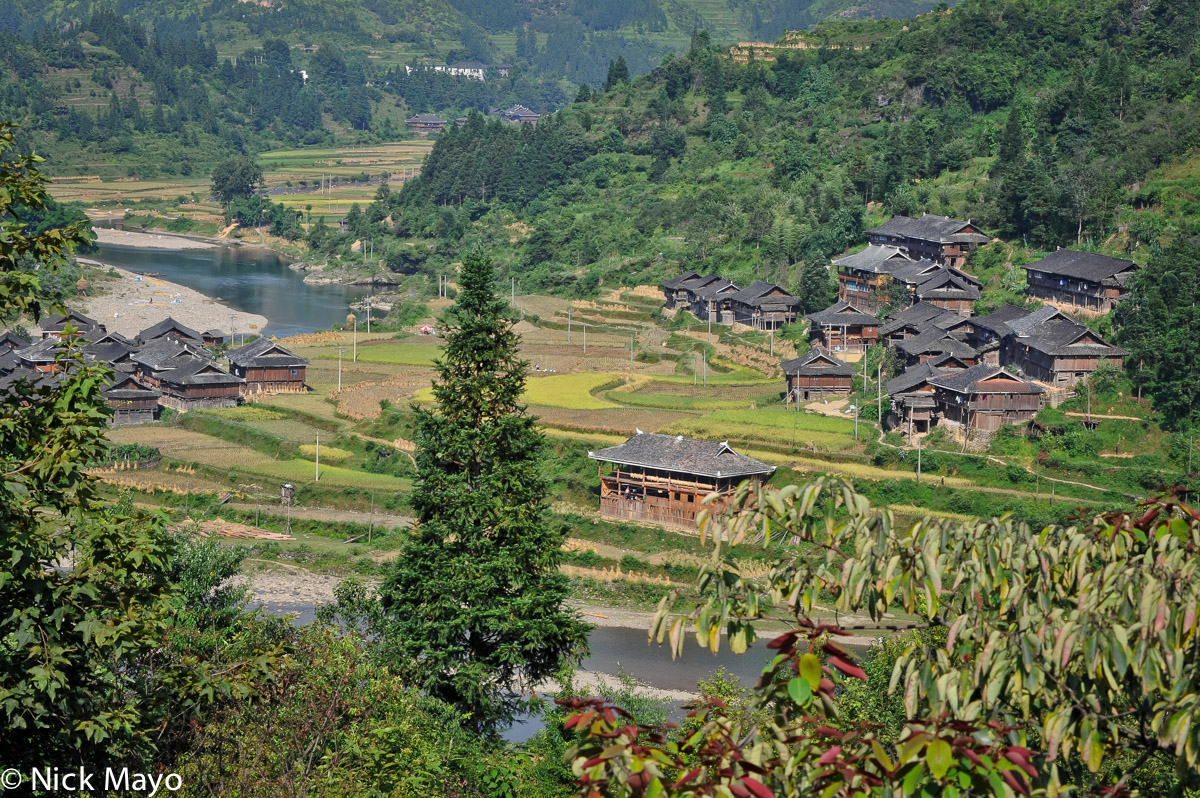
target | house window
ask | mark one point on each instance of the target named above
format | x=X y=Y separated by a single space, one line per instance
x=293 y=372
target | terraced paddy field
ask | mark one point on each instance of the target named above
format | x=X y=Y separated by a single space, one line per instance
x=295 y=178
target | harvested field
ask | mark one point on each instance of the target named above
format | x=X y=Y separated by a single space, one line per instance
x=231 y=529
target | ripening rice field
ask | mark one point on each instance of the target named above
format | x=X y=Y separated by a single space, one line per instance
x=569 y=391
x=775 y=426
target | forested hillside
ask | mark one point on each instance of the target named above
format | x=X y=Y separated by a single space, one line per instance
x=1047 y=125
x=269 y=72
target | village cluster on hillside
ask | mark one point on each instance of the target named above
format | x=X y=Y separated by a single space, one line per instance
x=165 y=365
x=908 y=290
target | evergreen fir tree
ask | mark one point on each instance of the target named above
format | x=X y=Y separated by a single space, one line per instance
x=618 y=73
x=473 y=608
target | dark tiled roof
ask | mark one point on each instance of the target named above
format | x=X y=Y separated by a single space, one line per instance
x=56 y=322
x=671 y=453
x=911 y=378
x=997 y=321
x=1058 y=336
x=947 y=285
x=756 y=295
x=158 y=352
x=968 y=381
x=934 y=341
x=109 y=351
x=947 y=361
x=1090 y=266
x=44 y=351
x=675 y=281
x=265 y=352
x=711 y=290
x=190 y=370
x=929 y=227
x=875 y=258
x=843 y=313
x=817 y=363
x=9 y=340
x=166 y=327
x=919 y=314
x=126 y=387
x=426 y=119
x=9 y=361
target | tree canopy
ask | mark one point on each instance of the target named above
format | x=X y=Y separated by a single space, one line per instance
x=1067 y=658
x=236 y=178
x=473 y=608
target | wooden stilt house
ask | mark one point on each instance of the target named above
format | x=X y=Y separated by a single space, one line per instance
x=664 y=479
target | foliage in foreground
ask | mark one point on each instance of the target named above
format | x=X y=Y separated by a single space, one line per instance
x=1068 y=663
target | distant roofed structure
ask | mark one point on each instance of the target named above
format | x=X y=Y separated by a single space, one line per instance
x=169 y=327
x=842 y=328
x=268 y=367
x=938 y=238
x=665 y=479
x=815 y=376
x=425 y=123
x=519 y=114
x=1085 y=280
x=85 y=327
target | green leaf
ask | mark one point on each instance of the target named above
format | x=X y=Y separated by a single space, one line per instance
x=810 y=670
x=800 y=692
x=940 y=756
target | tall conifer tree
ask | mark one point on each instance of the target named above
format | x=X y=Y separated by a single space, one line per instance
x=474 y=605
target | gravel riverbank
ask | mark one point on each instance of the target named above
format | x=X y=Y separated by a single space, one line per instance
x=134 y=302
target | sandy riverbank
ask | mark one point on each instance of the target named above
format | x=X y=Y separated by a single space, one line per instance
x=132 y=303
x=124 y=238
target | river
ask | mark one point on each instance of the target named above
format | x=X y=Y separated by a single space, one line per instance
x=251 y=279
x=619 y=649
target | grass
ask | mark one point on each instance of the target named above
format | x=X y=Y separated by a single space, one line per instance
x=389 y=354
x=328 y=453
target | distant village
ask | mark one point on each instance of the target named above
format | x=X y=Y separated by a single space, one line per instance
x=165 y=365
x=970 y=373
x=425 y=124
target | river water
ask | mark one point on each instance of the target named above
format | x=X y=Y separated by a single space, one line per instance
x=250 y=279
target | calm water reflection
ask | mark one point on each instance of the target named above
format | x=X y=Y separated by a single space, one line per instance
x=249 y=279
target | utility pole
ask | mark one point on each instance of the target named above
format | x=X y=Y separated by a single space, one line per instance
x=918 y=461
x=568 y=325
x=704 y=364
x=630 y=354
x=341 y=351
x=512 y=297
x=585 y=339
x=368 y=315
x=354 y=357
x=772 y=343
x=879 y=398
x=317 y=466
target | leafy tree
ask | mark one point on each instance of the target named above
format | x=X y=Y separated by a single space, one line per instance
x=1066 y=662
x=84 y=677
x=1160 y=327
x=473 y=608
x=236 y=178
x=818 y=288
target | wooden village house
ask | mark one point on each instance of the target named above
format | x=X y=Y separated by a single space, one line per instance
x=940 y=239
x=56 y=326
x=194 y=383
x=815 y=376
x=1085 y=280
x=425 y=124
x=174 y=329
x=131 y=402
x=985 y=397
x=664 y=479
x=1049 y=346
x=268 y=367
x=763 y=306
x=911 y=392
x=842 y=328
